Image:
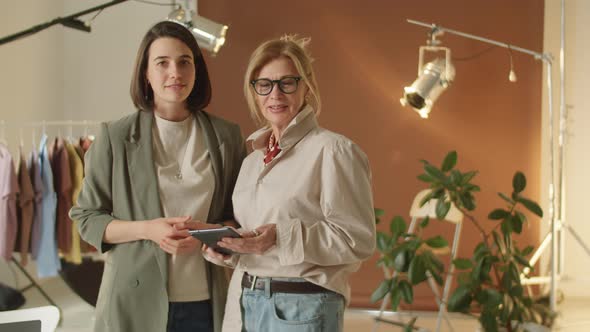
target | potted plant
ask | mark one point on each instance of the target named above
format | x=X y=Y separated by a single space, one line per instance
x=490 y=281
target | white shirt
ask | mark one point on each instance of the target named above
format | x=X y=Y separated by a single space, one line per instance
x=318 y=192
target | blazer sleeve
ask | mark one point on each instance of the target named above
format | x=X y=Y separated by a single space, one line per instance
x=95 y=201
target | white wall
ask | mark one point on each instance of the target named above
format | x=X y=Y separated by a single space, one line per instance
x=31 y=69
x=577 y=140
x=98 y=65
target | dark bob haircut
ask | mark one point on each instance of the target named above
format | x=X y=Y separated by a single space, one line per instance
x=142 y=94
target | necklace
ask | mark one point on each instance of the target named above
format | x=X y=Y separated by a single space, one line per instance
x=178 y=175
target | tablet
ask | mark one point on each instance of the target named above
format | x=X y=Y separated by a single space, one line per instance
x=211 y=236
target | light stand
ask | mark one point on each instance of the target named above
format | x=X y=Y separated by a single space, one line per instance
x=70 y=21
x=548 y=61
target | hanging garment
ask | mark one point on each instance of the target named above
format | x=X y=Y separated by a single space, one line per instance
x=25 y=211
x=8 y=193
x=62 y=182
x=48 y=263
x=35 y=175
x=77 y=174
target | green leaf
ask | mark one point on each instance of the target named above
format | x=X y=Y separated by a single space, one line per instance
x=434 y=172
x=401 y=261
x=417 y=270
x=407 y=291
x=425 y=222
x=527 y=251
x=506 y=198
x=467 y=177
x=456 y=177
x=437 y=242
x=498 y=214
x=493 y=298
x=382 y=242
x=426 y=198
x=378 y=213
x=531 y=206
x=488 y=321
x=381 y=291
x=516 y=224
x=426 y=178
x=467 y=200
x=449 y=162
x=442 y=208
x=396 y=296
x=462 y=263
x=460 y=300
x=397 y=226
x=521 y=216
x=507 y=226
x=516 y=291
x=518 y=182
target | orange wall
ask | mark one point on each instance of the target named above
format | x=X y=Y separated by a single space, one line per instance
x=365 y=54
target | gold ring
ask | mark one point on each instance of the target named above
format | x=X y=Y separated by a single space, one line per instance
x=256 y=233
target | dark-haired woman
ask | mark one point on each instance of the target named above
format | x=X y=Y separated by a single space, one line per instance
x=149 y=176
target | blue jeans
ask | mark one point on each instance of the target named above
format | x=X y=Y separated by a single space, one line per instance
x=287 y=312
x=190 y=317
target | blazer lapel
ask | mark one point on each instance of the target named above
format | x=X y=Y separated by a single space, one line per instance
x=215 y=155
x=143 y=176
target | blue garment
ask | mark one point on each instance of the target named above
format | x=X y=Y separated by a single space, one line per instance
x=196 y=316
x=35 y=174
x=287 y=312
x=48 y=263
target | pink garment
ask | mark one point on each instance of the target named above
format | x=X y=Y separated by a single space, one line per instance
x=8 y=193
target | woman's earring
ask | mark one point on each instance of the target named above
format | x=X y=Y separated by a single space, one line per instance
x=146 y=91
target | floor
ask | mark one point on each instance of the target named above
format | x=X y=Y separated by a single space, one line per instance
x=77 y=315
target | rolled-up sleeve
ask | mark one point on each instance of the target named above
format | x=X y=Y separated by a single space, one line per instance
x=346 y=235
x=95 y=205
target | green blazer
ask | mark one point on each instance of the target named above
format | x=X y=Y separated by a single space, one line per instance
x=120 y=183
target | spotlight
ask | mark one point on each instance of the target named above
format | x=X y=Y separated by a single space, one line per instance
x=433 y=79
x=209 y=34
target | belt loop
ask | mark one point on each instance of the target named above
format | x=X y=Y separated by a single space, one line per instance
x=267 y=283
x=253 y=284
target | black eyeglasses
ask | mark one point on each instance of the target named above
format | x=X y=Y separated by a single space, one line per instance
x=264 y=86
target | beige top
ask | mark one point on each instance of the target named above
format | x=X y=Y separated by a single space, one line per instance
x=181 y=144
x=317 y=191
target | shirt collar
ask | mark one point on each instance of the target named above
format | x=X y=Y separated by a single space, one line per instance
x=299 y=126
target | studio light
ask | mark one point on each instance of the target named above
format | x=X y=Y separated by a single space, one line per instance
x=433 y=79
x=209 y=34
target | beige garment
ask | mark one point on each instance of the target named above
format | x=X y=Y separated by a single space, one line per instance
x=181 y=144
x=318 y=193
x=74 y=256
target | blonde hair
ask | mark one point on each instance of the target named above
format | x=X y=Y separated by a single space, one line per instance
x=293 y=48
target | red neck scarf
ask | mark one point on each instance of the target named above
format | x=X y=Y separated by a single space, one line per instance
x=272 y=150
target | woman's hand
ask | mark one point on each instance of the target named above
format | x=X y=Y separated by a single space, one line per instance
x=257 y=241
x=215 y=256
x=181 y=242
x=158 y=229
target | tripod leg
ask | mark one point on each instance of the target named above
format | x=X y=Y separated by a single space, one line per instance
x=578 y=238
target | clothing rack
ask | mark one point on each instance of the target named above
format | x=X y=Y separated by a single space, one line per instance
x=42 y=125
